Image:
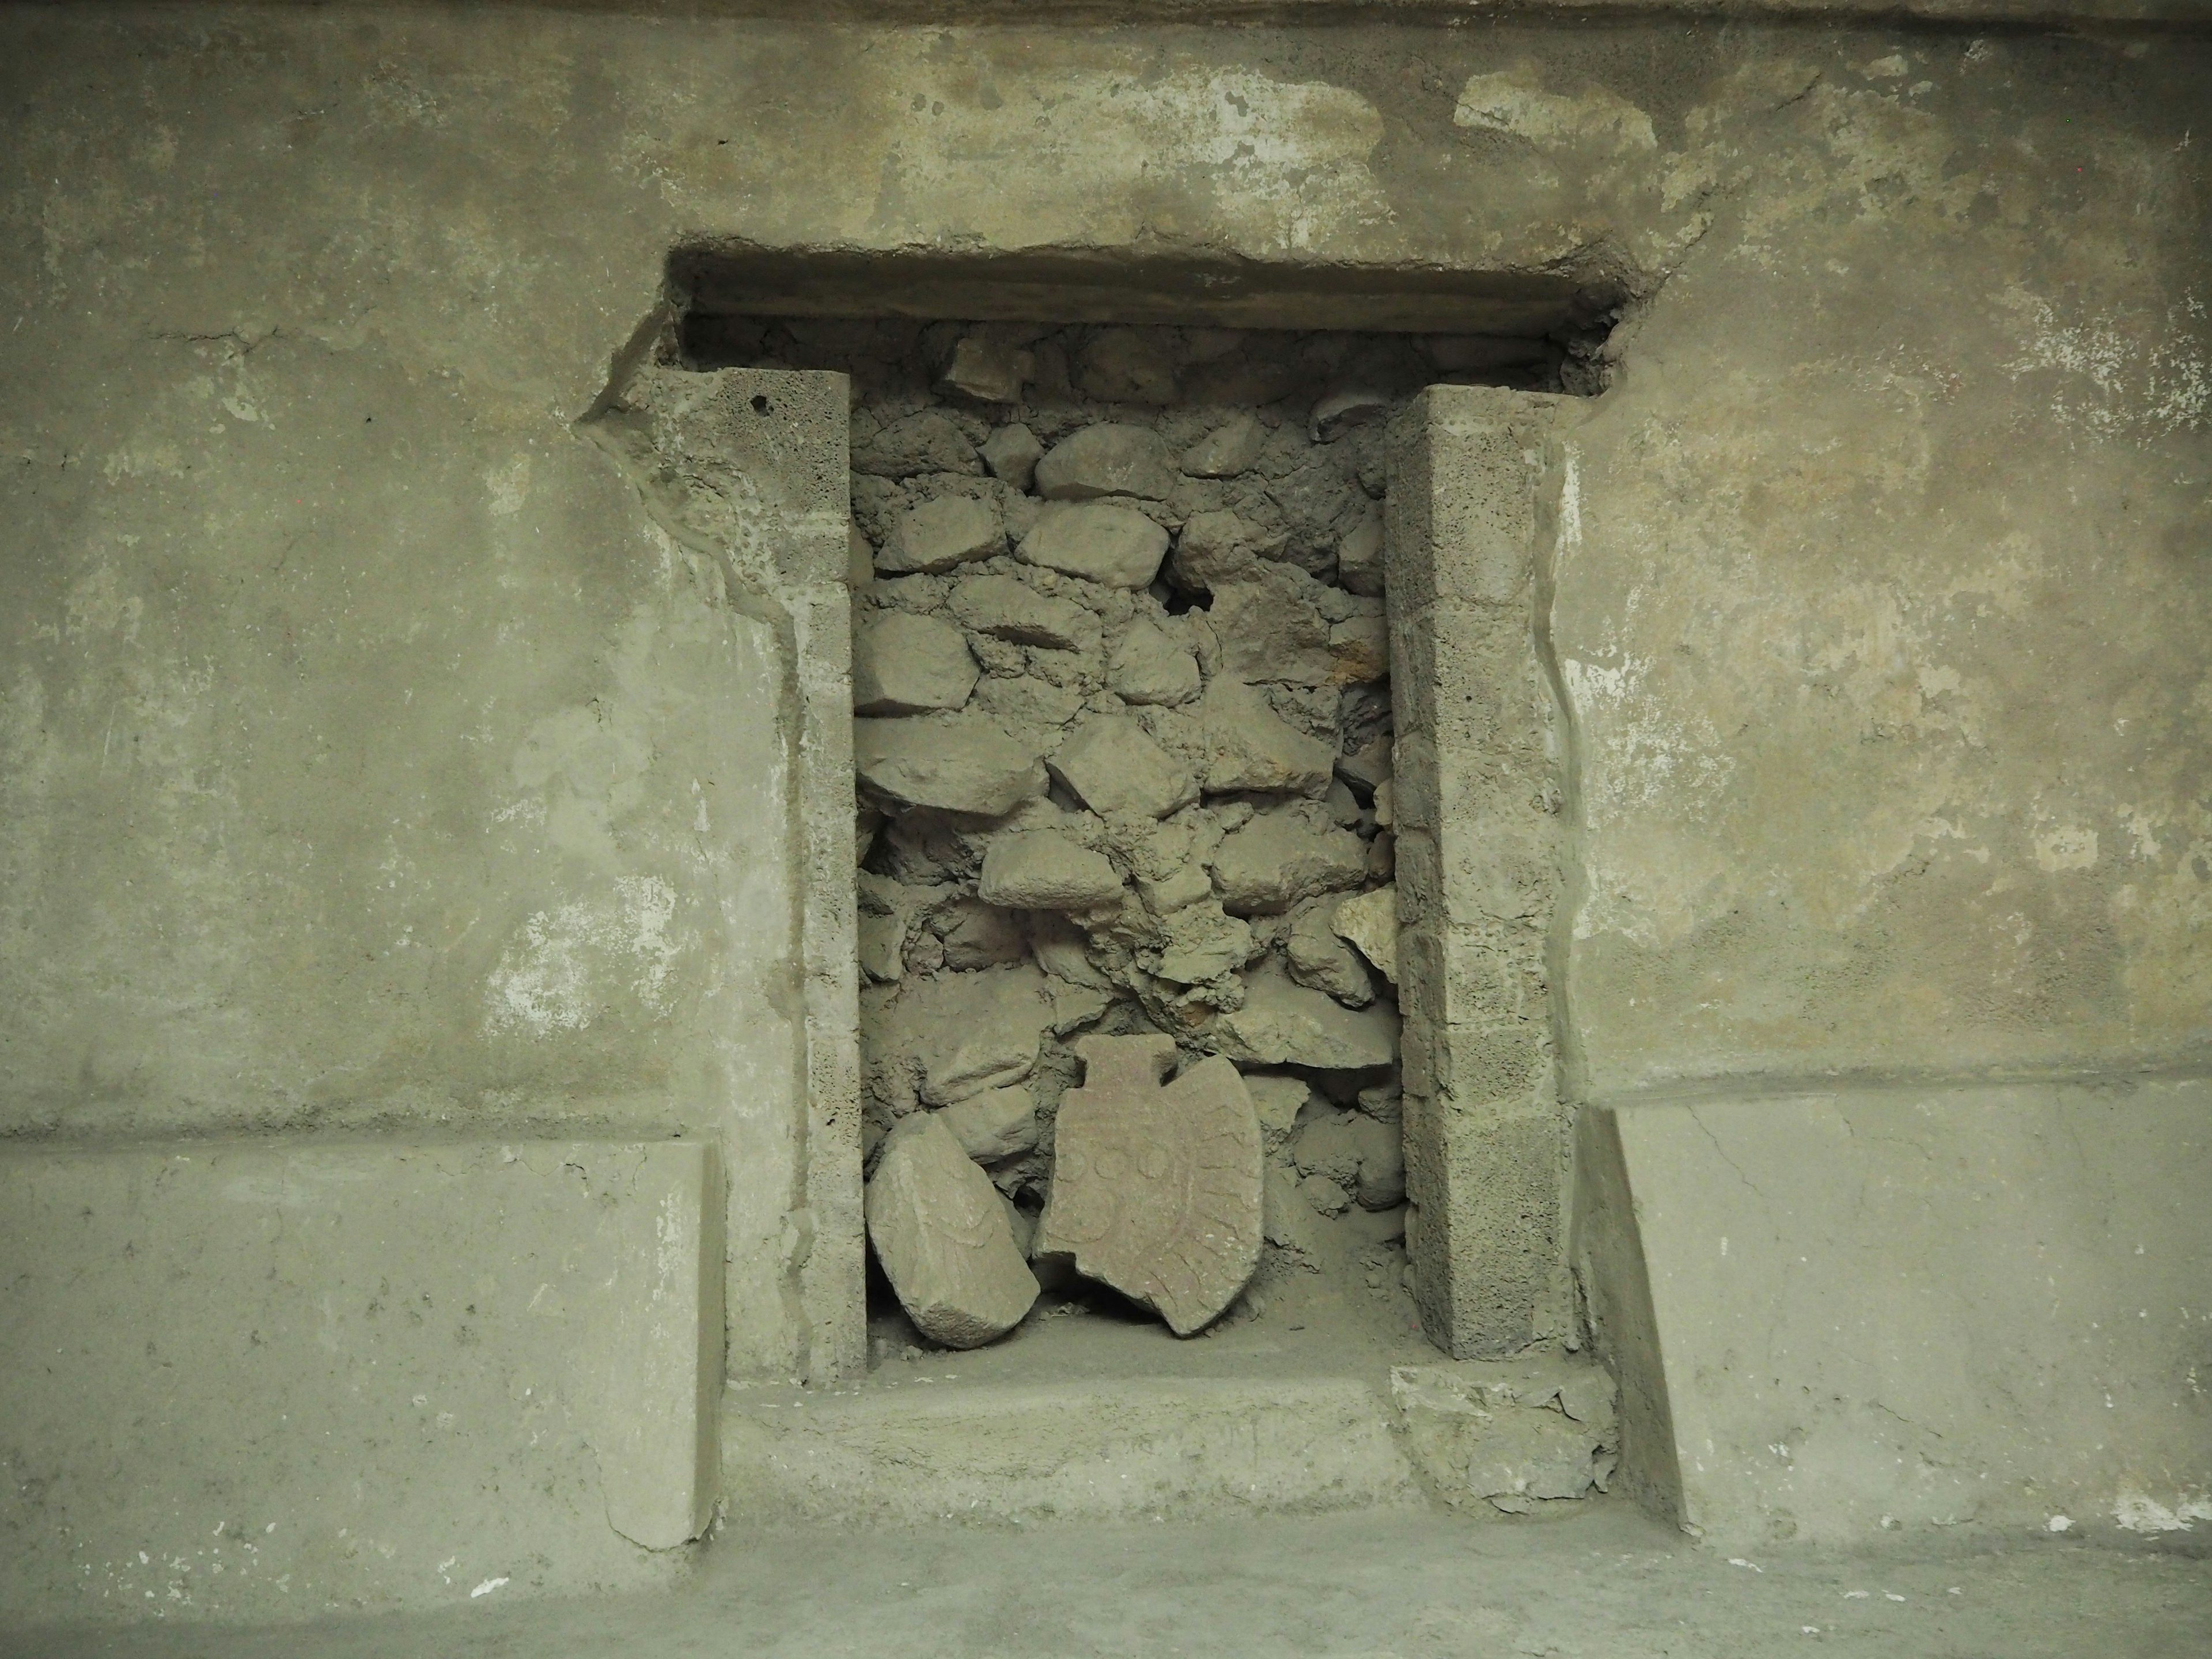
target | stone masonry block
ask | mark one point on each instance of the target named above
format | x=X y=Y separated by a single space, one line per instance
x=943 y=1238
x=1477 y=861
x=391 y=1372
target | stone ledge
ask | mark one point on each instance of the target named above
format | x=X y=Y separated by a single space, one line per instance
x=258 y=1380
x=1836 y=1314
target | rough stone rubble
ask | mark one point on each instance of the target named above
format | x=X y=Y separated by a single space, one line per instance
x=1123 y=729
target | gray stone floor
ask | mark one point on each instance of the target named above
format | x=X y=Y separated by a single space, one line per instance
x=1602 y=1582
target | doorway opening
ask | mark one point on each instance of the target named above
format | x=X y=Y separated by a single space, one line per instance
x=1123 y=737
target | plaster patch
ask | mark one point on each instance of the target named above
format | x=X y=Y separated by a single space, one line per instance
x=1515 y=103
x=2139 y=385
x=1268 y=163
x=2065 y=847
x=2137 y=1512
x=555 y=974
x=1634 y=752
x=508 y=485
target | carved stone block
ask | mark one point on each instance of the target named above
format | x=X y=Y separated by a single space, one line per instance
x=1156 y=1188
x=941 y=1234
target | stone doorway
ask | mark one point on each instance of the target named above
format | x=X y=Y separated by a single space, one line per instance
x=1124 y=740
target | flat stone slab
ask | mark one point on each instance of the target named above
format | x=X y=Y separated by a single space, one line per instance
x=890 y=1454
x=1149 y=667
x=1249 y=746
x=1113 y=546
x=1282 y=1023
x=928 y=440
x=1110 y=458
x=960 y=765
x=941 y=1234
x=250 y=1382
x=1156 y=1189
x=1008 y=609
x=940 y=535
x=1834 y=1312
x=965 y=1033
x=1282 y=857
x=995 y=1124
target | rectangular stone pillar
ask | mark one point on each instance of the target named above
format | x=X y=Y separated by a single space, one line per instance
x=1478 y=806
x=749 y=467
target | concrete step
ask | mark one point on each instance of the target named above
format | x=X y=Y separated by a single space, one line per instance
x=1020 y=1453
x=1090 y=1423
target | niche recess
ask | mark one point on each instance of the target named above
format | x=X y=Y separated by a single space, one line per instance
x=1244 y=414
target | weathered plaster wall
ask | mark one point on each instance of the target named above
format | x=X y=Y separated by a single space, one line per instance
x=1883 y=604
x=371 y=757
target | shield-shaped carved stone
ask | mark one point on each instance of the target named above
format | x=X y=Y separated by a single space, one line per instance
x=1156 y=1188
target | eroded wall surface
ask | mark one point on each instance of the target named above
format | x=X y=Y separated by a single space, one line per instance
x=371 y=758
x=1881 y=589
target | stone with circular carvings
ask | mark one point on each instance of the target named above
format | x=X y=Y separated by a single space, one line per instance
x=1155 y=1186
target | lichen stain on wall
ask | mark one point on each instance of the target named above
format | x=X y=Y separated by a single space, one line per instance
x=564 y=964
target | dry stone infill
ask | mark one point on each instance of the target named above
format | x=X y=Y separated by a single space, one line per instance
x=1123 y=749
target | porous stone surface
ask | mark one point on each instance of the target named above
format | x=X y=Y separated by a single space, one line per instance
x=910 y=665
x=1248 y=746
x=1282 y=856
x=1107 y=460
x=1283 y=1023
x=958 y=765
x=1157 y=1190
x=941 y=1234
x=1112 y=766
x=995 y=1124
x=941 y=533
x=1368 y=921
x=1114 y=546
x=1043 y=870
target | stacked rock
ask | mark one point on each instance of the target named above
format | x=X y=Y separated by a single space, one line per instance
x=1123 y=733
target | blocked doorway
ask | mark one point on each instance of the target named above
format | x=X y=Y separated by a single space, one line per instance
x=1271 y=481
